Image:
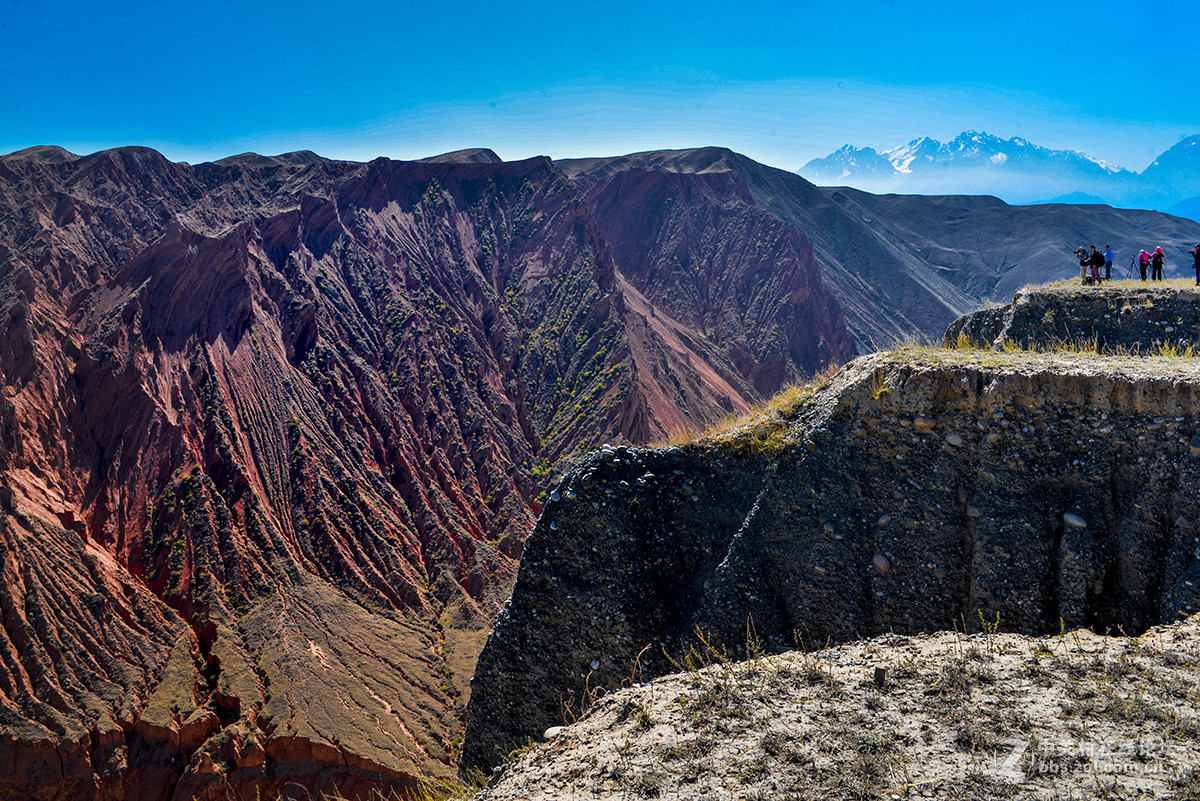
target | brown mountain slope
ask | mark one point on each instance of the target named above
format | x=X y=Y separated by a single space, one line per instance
x=306 y=404
x=886 y=295
x=899 y=266
x=991 y=249
x=726 y=268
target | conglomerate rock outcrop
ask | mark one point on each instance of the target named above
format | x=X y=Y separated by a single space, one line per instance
x=1129 y=318
x=920 y=490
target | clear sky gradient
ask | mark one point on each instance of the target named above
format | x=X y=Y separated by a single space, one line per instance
x=782 y=82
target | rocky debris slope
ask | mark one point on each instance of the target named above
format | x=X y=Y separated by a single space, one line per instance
x=1128 y=317
x=947 y=716
x=94 y=664
x=308 y=406
x=920 y=490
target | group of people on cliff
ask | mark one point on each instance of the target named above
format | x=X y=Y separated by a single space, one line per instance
x=1092 y=263
x=1153 y=262
x=1095 y=262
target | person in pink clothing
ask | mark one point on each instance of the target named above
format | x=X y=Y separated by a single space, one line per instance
x=1156 y=264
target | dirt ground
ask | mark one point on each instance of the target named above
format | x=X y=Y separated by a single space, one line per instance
x=948 y=716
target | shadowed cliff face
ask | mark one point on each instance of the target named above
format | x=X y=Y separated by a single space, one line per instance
x=920 y=491
x=284 y=421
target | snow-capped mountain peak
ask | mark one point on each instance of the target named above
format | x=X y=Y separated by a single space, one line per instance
x=902 y=157
x=976 y=162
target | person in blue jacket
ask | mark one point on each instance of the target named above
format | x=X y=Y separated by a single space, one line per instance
x=1108 y=259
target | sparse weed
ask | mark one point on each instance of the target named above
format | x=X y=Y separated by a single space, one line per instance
x=1173 y=350
x=764 y=427
x=427 y=789
x=879 y=386
x=454 y=789
x=963 y=342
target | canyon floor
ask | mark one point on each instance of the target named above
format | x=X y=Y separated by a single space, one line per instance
x=948 y=715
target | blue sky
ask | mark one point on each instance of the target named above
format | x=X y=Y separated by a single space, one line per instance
x=780 y=82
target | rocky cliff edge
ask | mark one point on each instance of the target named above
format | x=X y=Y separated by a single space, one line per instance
x=922 y=489
x=1121 y=316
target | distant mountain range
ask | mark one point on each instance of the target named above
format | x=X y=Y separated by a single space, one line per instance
x=1017 y=171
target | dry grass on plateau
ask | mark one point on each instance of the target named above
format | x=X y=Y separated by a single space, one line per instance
x=950 y=716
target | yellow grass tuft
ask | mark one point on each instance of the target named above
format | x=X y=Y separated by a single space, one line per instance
x=764 y=428
x=429 y=789
x=964 y=342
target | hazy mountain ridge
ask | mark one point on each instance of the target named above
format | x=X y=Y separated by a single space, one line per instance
x=906 y=266
x=989 y=249
x=1014 y=169
x=885 y=295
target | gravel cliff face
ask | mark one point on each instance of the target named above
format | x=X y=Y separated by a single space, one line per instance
x=921 y=490
x=1143 y=318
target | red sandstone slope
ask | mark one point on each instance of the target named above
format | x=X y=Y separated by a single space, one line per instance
x=270 y=440
x=887 y=292
x=724 y=267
